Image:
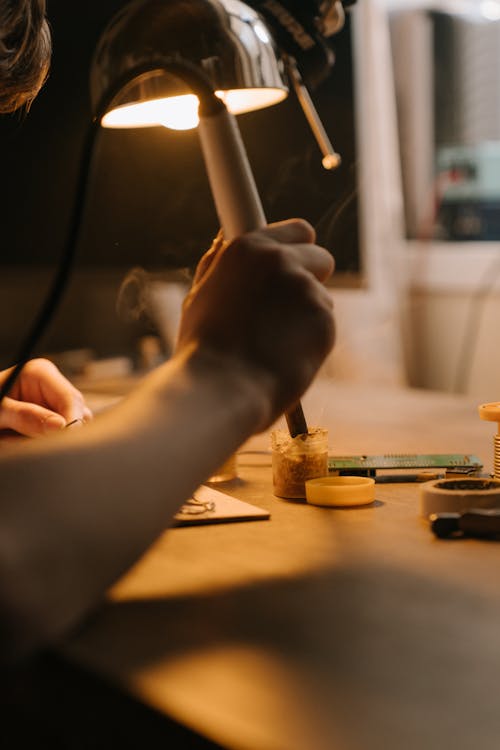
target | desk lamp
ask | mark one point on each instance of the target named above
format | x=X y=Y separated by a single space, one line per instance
x=247 y=50
x=232 y=57
x=199 y=62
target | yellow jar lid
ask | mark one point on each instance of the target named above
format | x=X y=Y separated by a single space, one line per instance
x=343 y=491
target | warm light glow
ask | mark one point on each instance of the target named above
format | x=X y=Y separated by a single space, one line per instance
x=155 y=112
x=245 y=100
x=181 y=112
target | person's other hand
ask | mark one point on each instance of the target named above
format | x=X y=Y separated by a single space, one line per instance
x=41 y=401
x=259 y=304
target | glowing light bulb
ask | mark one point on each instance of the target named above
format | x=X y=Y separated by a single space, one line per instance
x=176 y=113
x=179 y=112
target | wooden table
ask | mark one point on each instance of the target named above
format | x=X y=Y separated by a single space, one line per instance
x=319 y=629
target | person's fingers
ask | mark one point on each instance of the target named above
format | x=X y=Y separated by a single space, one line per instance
x=324 y=297
x=42 y=383
x=294 y=237
x=87 y=414
x=29 y=419
x=291 y=230
x=70 y=405
x=282 y=255
x=74 y=407
x=316 y=260
x=207 y=259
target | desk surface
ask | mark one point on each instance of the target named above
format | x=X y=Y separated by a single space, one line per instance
x=319 y=629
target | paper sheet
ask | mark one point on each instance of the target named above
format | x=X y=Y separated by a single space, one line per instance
x=212 y=506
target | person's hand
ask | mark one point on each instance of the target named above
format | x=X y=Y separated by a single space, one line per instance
x=41 y=401
x=259 y=305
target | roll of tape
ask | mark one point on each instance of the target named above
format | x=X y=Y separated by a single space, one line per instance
x=340 y=492
x=458 y=495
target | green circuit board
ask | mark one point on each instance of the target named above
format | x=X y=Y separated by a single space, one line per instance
x=462 y=463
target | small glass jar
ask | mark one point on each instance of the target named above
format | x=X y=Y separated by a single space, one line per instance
x=296 y=459
x=226 y=472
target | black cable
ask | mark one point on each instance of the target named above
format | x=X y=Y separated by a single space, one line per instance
x=59 y=283
x=209 y=104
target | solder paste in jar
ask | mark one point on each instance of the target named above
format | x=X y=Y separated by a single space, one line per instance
x=296 y=459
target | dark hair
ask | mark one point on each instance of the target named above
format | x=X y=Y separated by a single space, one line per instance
x=25 y=48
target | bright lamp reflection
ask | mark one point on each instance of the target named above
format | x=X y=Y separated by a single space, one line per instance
x=180 y=109
x=245 y=100
x=181 y=112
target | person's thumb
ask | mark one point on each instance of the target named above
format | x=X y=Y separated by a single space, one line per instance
x=29 y=419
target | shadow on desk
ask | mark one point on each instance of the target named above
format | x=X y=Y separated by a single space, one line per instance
x=368 y=657
x=50 y=705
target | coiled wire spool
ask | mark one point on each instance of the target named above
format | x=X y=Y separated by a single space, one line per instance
x=491 y=413
x=496 y=457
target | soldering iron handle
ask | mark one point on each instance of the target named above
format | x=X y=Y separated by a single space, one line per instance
x=235 y=193
x=236 y=197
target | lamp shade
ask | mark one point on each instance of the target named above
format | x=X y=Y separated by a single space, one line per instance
x=227 y=39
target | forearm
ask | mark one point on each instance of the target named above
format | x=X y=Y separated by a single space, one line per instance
x=79 y=509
